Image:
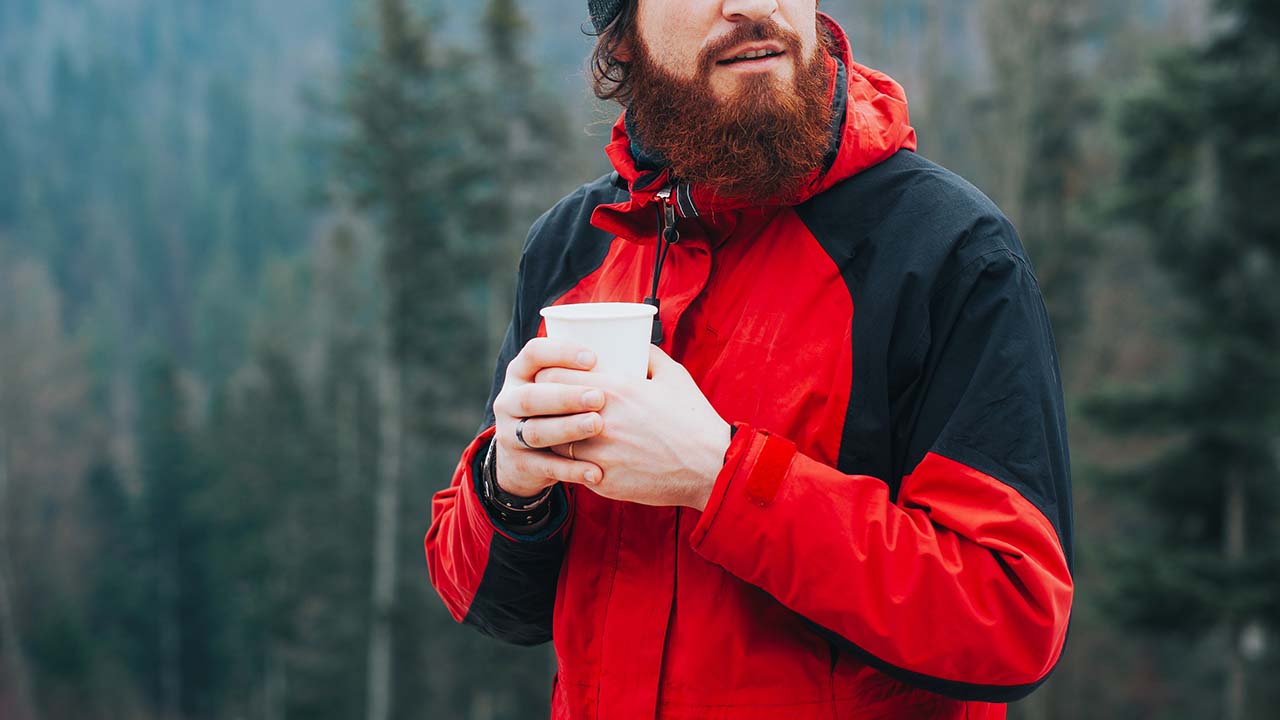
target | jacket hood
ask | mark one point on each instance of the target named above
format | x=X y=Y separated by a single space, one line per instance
x=870 y=122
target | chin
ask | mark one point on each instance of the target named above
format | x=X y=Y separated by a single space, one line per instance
x=736 y=88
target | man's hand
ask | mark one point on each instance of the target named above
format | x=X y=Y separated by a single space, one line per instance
x=662 y=443
x=558 y=414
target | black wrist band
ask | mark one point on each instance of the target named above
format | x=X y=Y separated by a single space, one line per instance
x=511 y=509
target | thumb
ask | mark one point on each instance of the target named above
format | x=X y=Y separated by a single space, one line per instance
x=660 y=363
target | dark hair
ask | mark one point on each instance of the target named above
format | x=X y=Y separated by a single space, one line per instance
x=611 y=77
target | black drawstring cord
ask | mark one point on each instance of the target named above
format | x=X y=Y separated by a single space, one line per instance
x=667 y=236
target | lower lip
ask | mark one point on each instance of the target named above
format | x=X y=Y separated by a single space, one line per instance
x=756 y=65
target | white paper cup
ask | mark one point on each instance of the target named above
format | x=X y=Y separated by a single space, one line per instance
x=618 y=333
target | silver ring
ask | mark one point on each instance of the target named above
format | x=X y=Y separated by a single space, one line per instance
x=520 y=433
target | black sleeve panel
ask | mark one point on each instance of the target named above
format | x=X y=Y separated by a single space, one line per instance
x=911 y=240
x=516 y=596
x=992 y=395
x=952 y=350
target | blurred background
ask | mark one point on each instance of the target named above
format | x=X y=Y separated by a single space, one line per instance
x=256 y=258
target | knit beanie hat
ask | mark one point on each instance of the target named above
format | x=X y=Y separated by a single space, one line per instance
x=604 y=11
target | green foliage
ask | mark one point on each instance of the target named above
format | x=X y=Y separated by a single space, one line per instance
x=208 y=518
x=120 y=615
x=61 y=648
x=231 y=539
x=10 y=173
x=185 y=635
x=1029 y=129
x=401 y=162
x=290 y=545
x=428 y=157
x=506 y=27
x=1199 y=176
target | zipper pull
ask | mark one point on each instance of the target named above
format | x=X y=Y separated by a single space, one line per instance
x=669 y=231
x=667 y=236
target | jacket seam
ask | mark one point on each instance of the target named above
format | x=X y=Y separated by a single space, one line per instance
x=918 y=348
x=1012 y=486
x=955 y=276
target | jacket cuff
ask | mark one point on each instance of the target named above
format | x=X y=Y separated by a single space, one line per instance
x=755 y=467
x=480 y=511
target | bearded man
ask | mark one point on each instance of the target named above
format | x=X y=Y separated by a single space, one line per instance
x=843 y=490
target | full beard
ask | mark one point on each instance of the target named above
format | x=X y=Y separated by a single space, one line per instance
x=761 y=144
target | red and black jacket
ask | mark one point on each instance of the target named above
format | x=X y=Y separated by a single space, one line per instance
x=891 y=533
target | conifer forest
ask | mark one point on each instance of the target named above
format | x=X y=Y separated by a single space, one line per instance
x=257 y=258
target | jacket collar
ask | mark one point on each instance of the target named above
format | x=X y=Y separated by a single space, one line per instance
x=870 y=123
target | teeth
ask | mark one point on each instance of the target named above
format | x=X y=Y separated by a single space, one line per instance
x=754 y=54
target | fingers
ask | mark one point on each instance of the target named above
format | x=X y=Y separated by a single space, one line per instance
x=661 y=366
x=563 y=376
x=659 y=362
x=533 y=400
x=553 y=467
x=548 y=431
x=542 y=352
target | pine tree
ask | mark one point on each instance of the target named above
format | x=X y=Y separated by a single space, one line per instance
x=185 y=649
x=441 y=151
x=18 y=681
x=1032 y=122
x=284 y=548
x=403 y=161
x=1200 y=178
x=521 y=134
x=45 y=433
x=346 y=296
x=115 y=603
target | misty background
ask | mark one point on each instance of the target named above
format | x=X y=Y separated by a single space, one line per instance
x=256 y=258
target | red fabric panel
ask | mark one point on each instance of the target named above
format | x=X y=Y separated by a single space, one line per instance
x=457 y=543
x=962 y=580
x=770 y=469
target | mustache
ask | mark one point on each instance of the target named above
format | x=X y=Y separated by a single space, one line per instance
x=759 y=31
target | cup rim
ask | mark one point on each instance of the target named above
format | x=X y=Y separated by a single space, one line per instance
x=599 y=311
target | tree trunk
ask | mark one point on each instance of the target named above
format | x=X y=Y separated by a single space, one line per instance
x=348 y=440
x=387 y=501
x=482 y=705
x=9 y=638
x=1235 y=550
x=169 y=631
x=275 y=688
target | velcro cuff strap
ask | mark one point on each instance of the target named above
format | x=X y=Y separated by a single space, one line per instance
x=770 y=469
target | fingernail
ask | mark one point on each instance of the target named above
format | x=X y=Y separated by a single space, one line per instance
x=593 y=398
x=589 y=425
x=590 y=476
x=586 y=358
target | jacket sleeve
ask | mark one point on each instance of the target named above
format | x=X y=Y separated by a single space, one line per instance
x=489 y=576
x=961 y=584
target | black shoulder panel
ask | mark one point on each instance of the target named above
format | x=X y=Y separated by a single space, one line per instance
x=952 y=350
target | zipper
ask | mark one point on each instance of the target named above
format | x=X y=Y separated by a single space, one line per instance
x=668 y=220
x=668 y=235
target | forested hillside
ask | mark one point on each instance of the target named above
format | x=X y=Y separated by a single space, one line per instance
x=256 y=258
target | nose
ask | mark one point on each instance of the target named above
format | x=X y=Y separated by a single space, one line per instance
x=749 y=10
